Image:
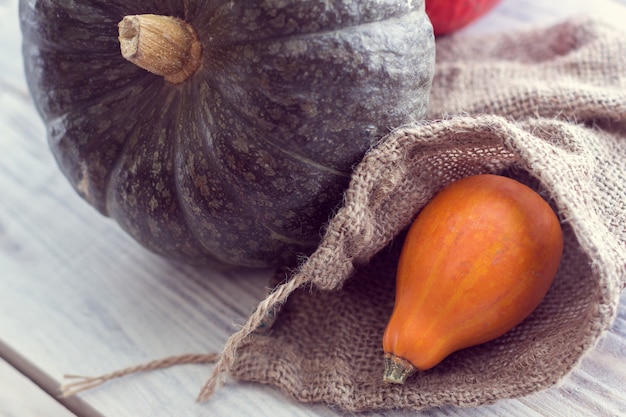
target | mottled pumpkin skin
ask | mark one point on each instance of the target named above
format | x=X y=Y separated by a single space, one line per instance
x=244 y=162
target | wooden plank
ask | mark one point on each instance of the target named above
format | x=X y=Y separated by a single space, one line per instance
x=19 y=397
x=77 y=295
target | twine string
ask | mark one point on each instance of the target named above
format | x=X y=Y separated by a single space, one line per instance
x=256 y=320
x=223 y=362
x=83 y=383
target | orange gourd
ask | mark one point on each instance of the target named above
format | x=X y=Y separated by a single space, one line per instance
x=477 y=260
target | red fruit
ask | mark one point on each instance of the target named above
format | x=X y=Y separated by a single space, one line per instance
x=450 y=15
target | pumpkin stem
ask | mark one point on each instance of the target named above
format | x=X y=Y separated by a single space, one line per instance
x=163 y=45
x=397 y=369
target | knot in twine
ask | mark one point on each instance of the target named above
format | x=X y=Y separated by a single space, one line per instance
x=259 y=320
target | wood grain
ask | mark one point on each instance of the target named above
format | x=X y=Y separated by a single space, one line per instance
x=19 y=397
x=79 y=296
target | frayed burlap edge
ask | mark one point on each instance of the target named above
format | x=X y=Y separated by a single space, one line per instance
x=349 y=232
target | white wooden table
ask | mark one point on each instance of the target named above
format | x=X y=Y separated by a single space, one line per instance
x=77 y=295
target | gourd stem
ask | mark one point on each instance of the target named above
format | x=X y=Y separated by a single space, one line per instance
x=163 y=45
x=397 y=369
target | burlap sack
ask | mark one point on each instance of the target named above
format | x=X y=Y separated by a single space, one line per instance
x=547 y=107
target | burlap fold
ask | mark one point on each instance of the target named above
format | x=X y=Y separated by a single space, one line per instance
x=547 y=107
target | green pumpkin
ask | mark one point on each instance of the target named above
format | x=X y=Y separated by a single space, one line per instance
x=243 y=160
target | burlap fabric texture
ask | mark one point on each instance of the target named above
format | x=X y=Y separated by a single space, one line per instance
x=547 y=107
